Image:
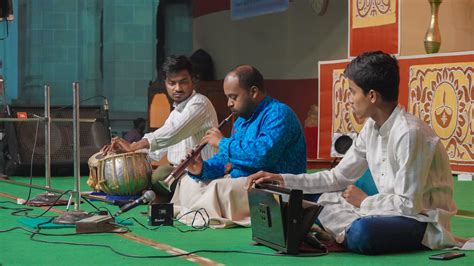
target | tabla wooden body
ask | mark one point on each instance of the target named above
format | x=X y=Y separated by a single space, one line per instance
x=121 y=174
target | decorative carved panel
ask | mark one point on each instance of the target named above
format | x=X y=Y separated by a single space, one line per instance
x=442 y=95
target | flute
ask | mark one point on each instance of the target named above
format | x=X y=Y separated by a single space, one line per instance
x=178 y=171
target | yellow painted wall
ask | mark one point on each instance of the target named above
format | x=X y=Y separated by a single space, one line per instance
x=456 y=23
x=289 y=45
x=286 y=45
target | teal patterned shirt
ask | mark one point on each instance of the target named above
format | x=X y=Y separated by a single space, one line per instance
x=271 y=140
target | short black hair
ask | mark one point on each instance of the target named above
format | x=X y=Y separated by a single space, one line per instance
x=249 y=76
x=138 y=121
x=376 y=71
x=174 y=64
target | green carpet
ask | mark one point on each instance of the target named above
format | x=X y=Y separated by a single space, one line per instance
x=18 y=249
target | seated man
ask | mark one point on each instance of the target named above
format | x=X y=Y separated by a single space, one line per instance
x=408 y=162
x=266 y=135
x=192 y=116
x=137 y=132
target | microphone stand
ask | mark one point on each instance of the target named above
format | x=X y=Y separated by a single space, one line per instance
x=3 y=111
x=106 y=119
x=48 y=198
x=76 y=215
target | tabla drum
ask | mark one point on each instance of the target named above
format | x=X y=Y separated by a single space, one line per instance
x=124 y=174
x=93 y=164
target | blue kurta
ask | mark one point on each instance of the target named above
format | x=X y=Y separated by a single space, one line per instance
x=271 y=140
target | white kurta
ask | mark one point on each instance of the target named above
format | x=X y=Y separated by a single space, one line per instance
x=411 y=171
x=184 y=129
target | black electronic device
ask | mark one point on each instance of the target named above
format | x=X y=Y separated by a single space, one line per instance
x=447 y=256
x=160 y=214
x=342 y=144
x=20 y=138
x=281 y=219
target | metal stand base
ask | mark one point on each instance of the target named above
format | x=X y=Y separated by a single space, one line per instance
x=71 y=217
x=46 y=199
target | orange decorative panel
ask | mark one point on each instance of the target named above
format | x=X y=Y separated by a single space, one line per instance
x=344 y=120
x=373 y=25
x=442 y=95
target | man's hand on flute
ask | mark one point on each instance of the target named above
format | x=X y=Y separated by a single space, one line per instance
x=213 y=137
x=195 y=164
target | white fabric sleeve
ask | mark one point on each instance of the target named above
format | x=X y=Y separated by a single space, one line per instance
x=181 y=126
x=351 y=167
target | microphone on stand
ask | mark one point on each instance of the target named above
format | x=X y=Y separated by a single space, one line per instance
x=148 y=196
x=106 y=117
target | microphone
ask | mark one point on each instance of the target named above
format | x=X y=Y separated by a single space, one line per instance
x=148 y=196
x=106 y=118
x=3 y=94
x=2 y=87
x=106 y=104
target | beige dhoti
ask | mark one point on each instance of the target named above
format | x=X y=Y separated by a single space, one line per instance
x=225 y=201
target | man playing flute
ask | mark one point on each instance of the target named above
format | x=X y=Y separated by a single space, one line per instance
x=266 y=135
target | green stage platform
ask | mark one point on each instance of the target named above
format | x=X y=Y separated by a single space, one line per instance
x=17 y=248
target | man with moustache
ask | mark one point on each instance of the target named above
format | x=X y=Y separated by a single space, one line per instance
x=192 y=116
x=266 y=135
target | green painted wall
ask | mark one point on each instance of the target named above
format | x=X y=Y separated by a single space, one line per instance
x=109 y=46
x=9 y=54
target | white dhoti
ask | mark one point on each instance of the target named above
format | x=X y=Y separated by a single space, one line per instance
x=225 y=201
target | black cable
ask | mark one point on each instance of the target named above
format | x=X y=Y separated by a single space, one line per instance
x=16 y=209
x=142 y=225
x=10 y=202
x=97 y=208
x=195 y=228
x=71 y=105
x=32 y=160
x=169 y=256
x=145 y=257
x=52 y=205
x=20 y=210
x=38 y=228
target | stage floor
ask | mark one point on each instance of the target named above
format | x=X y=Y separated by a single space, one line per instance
x=96 y=249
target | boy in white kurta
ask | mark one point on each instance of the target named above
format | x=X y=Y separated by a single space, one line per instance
x=407 y=160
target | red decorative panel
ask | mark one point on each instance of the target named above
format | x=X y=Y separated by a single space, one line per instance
x=373 y=25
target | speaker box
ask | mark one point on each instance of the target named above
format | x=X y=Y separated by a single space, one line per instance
x=25 y=140
x=6 y=10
